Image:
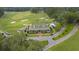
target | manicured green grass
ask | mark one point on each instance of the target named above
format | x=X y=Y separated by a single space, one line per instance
x=17 y=17
x=72 y=44
x=43 y=43
x=66 y=31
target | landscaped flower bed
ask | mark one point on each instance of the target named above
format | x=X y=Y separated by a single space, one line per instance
x=35 y=35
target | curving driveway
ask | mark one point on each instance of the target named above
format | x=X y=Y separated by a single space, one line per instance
x=61 y=39
x=48 y=38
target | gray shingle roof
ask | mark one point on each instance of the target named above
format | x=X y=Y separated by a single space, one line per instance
x=39 y=27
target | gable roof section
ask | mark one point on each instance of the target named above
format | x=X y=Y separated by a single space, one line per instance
x=39 y=27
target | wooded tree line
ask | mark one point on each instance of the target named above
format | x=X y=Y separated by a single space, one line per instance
x=1 y=12
x=69 y=14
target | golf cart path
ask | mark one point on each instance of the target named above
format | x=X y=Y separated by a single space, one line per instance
x=61 y=39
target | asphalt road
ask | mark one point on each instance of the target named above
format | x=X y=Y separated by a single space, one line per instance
x=61 y=39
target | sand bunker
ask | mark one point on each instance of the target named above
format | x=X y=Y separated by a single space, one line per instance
x=13 y=22
x=42 y=18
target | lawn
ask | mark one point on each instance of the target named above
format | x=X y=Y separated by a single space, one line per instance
x=72 y=44
x=13 y=21
x=69 y=27
x=43 y=43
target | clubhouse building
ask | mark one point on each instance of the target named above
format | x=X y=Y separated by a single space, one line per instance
x=39 y=28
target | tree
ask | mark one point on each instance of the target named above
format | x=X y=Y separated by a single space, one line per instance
x=71 y=17
x=35 y=10
x=54 y=12
x=1 y=13
x=19 y=42
x=1 y=38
